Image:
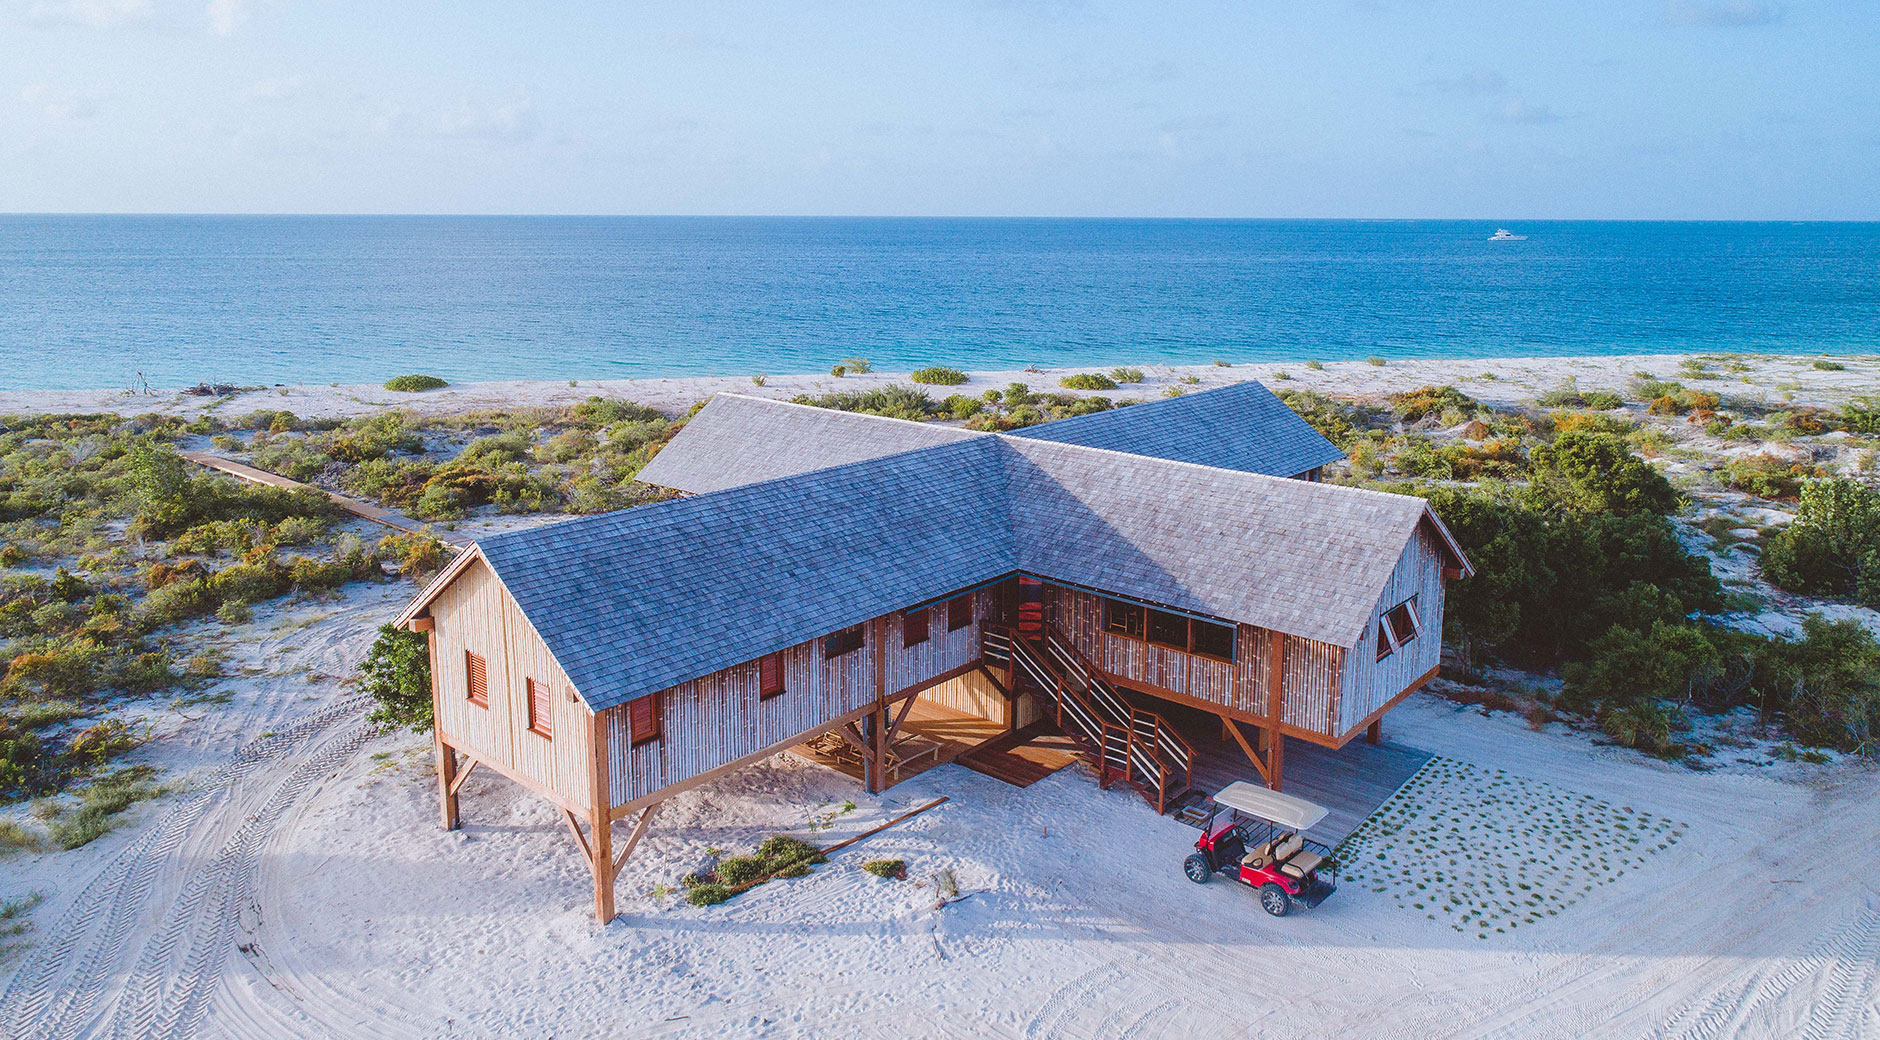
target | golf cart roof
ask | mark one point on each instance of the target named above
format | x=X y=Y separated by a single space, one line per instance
x=1283 y=809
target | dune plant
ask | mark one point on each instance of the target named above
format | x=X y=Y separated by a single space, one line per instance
x=415 y=383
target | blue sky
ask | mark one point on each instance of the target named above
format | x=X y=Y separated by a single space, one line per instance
x=1342 y=108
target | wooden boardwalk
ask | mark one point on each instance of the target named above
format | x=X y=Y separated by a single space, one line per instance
x=377 y=514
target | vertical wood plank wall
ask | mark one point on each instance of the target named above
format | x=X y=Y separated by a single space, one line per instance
x=476 y=614
x=1313 y=676
x=1371 y=683
x=943 y=652
x=719 y=718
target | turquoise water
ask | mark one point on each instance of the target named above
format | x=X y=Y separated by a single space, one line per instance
x=93 y=301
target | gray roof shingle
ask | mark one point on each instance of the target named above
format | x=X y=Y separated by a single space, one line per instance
x=1239 y=427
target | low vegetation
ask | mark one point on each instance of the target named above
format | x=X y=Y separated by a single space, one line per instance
x=396 y=674
x=937 y=375
x=414 y=384
x=1087 y=381
x=779 y=856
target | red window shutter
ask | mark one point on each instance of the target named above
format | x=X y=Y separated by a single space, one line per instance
x=643 y=719
x=770 y=675
x=916 y=626
x=541 y=709
x=477 y=682
x=959 y=612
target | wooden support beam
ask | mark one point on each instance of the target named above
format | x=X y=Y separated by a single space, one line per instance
x=600 y=817
x=447 y=781
x=854 y=738
x=423 y=624
x=639 y=831
x=1241 y=738
x=1276 y=709
x=1374 y=733
x=894 y=728
x=462 y=775
x=580 y=840
x=878 y=758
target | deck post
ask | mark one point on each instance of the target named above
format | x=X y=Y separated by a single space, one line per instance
x=446 y=755
x=600 y=817
x=446 y=782
x=1275 y=708
x=1374 y=733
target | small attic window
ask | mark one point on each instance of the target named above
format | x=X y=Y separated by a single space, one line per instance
x=1398 y=626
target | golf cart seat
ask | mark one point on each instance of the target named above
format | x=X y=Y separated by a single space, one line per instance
x=1301 y=864
x=1258 y=857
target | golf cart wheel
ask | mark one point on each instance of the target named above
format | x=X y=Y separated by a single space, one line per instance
x=1197 y=870
x=1274 y=900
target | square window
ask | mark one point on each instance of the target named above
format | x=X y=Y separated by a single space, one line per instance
x=916 y=626
x=1212 y=640
x=1403 y=622
x=846 y=641
x=1123 y=619
x=1170 y=630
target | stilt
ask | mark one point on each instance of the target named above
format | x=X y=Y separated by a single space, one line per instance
x=1276 y=761
x=878 y=751
x=446 y=782
x=1275 y=709
x=1374 y=733
x=600 y=822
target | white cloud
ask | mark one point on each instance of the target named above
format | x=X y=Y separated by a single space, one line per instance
x=1481 y=81
x=1724 y=14
x=99 y=14
x=63 y=105
x=513 y=121
x=1515 y=110
x=225 y=16
x=278 y=88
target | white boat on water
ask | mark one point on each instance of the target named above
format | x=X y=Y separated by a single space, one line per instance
x=1505 y=235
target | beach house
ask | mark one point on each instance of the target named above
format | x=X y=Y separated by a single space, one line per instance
x=834 y=582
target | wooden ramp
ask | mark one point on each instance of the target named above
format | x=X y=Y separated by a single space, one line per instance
x=1023 y=758
x=377 y=514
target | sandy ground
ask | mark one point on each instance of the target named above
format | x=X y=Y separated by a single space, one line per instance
x=1769 y=378
x=295 y=883
x=300 y=888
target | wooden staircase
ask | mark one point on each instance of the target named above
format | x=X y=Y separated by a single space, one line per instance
x=1118 y=739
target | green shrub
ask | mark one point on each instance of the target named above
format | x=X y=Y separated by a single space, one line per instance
x=417 y=554
x=938 y=375
x=177 y=601
x=1126 y=375
x=1219 y=363
x=742 y=870
x=886 y=868
x=1569 y=395
x=959 y=406
x=1087 y=381
x=1413 y=405
x=1832 y=547
x=1828 y=683
x=706 y=893
x=247 y=583
x=1861 y=415
x=1828 y=366
x=1374 y=360
x=1597 y=472
x=396 y=674
x=1768 y=476
x=895 y=401
x=99 y=805
x=413 y=384
x=1316 y=366
x=858 y=365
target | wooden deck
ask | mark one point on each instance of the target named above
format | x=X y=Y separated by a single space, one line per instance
x=932 y=736
x=377 y=514
x=1351 y=781
x=1023 y=758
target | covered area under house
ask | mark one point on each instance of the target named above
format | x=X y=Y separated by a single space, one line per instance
x=1151 y=589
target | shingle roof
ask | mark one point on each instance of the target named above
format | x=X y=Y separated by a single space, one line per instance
x=1240 y=427
x=737 y=440
x=1304 y=558
x=640 y=600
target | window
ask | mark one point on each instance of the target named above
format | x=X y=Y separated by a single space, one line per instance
x=1170 y=630
x=643 y=720
x=959 y=612
x=838 y=643
x=1403 y=622
x=1124 y=619
x=770 y=675
x=541 y=710
x=1211 y=640
x=476 y=680
x=916 y=626
x=1398 y=626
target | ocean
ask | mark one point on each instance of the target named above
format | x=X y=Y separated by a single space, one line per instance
x=112 y=301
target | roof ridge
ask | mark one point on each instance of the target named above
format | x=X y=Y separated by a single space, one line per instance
x=859 y=415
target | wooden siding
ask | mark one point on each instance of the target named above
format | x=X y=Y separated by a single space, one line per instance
x=973 y=694
x=1313 y=675
x=476 y=614
x=1370 y=683
x=719 y=718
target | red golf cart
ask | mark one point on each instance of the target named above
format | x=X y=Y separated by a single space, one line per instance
x=1253 y=836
